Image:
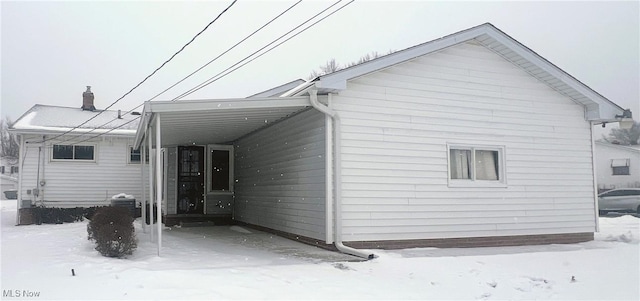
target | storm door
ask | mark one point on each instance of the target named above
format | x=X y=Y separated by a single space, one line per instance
x=190 y=180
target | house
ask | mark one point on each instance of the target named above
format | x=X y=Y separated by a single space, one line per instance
x=617 y=166
x=85 y=166
x=8 y=176
x=472 y=139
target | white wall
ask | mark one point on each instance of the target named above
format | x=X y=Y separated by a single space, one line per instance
x=396 y=126
x=280 y=173
x=75 y=183
x=605 y=152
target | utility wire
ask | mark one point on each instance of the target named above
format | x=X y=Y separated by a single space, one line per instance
x=192 y=73
x=106 y=132
x=148 y=76
x=227 y=71
x=213 y=78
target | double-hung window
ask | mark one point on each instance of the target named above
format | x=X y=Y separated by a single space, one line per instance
x=73 y=152
x=134 y=155
x=471 y=165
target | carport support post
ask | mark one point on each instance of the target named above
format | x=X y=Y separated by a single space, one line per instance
x=143 y=192
x=149 y=142
x=158 y=183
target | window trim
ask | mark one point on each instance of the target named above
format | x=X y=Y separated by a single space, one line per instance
x=208 y=168
x=130 y=149
x=502 y=174
x=94 y=145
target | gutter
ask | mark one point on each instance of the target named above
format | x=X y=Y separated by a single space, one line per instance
x=313 y=97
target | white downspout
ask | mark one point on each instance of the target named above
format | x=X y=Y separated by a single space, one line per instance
x=595 y=177
x=328 y=177
x=313 y=97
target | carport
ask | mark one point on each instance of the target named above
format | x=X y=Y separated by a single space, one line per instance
x=201 y=122
x=219 y=124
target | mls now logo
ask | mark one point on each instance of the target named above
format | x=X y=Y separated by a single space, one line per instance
x=19 y=294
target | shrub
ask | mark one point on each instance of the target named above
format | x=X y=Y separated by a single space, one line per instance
x=52 y=215
x=112 y=230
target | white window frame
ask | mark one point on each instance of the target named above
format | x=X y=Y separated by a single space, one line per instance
x=473 y=182
x=130 y=148
x=207 y=160
x=95 y=153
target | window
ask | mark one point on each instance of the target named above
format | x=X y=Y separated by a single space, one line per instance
x=134 y=155
x=620 y=167
x=2 y=169
x=476 y=165
x=14 y=169
x=220 y=168
x=73 y=152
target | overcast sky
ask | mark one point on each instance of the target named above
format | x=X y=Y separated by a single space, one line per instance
x=52 y=50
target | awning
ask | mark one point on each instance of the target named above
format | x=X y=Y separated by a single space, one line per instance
x=215 y=121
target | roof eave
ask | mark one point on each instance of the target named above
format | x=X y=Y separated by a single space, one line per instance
x=597 y=107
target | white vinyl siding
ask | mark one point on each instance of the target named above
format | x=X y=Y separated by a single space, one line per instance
x=280 y=176
x=397 y=123
x=77 y=183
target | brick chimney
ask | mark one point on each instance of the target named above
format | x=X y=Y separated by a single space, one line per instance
x=87 y=100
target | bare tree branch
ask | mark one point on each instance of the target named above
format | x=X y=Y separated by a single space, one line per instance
x=9 y=147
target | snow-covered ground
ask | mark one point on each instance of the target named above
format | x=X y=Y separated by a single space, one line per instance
x=236 y=263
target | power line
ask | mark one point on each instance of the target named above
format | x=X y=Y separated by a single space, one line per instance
x=213 y=78
x=194 y=72
x=207 y=83
x=148 y=76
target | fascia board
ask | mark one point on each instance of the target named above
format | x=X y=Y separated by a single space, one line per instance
x=604 y=109
x=226 y=104
x=337 y=80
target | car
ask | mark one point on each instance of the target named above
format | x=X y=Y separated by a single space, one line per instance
x=619 y=200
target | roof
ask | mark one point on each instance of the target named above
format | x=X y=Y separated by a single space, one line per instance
x=279 y=90
x=598 y=108
x=43 y=119
x=633 y=149
x=215 y=121
x=7 y=178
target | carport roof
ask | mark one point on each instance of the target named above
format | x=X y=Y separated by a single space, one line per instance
x=215 y=121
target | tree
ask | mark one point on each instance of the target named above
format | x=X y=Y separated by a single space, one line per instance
x=332 y=66
x=329 y=67
x=9 y=147
x=625 y=136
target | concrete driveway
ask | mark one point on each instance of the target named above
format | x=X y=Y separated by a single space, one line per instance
x=227 y=246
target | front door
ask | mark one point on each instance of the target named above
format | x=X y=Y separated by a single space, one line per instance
x=190 y=180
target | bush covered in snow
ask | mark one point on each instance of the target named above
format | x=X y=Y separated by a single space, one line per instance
x=112 y=230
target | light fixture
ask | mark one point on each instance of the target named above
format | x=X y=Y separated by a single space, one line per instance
x=625 y=121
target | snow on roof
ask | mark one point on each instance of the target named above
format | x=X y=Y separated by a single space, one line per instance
x=43 y=118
